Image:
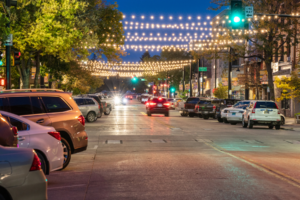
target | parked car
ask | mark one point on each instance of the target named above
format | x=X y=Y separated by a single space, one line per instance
x=235 y=114
x=225 y=112
x=128 y=97
x=173 y=102
x=98 y=99
x=207 y=108
x=21 y=175
x=282 y=119
x=262 y=112
x=89 y=108
x=8 y=133
x=43 y=139
x=225 y=103
x=158 y=105
x=49 y=107
x=189 y=106
x=107 y=107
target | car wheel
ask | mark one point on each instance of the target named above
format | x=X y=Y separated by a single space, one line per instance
x=205 y=117
x=200 y=116
x=244 y=123
x=100 y=115
x=225 y=120
x=182 y=115
x=166 y=114
x=282 y=121
x=43 y=162
x=220 y=119
x=277 y=127
x=271 y=127
x=2 y=197
x=66 y=152
x=107 y=113
x=91 y=117
x=149 y=114
x=250 y=123
x=233 y=123
x=191 y=115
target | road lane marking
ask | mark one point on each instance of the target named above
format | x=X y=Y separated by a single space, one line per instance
x=259 y=166
x=95 y=147
x=51 y=188
x=143 y=113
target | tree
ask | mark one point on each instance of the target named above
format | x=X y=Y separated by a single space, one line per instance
x=145 y=56
x=266 y=37
x=221 y=92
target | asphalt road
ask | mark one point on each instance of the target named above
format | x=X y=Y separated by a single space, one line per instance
x=133 y=156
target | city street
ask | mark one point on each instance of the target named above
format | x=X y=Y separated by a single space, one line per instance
x=133 y=156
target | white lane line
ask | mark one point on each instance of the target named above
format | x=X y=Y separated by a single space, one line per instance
x=66 y=186
x=95 y=147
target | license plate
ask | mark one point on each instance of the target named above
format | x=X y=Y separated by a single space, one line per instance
x=233 y=113
x=205 y=111
x=191 y=110
x=159 y=105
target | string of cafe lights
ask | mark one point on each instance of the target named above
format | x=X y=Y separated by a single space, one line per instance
x=161 y=17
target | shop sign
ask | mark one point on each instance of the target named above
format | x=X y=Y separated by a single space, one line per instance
x=180 y=87
x=187 y=86
x=225 y=81
x=264 y=77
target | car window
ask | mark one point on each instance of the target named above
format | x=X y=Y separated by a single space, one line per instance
x=242 y=106
x=3 y=104
x=14 y=122
x=96 y=98
x=89 y=102
x=215 y=103
x=192 y=100
x=170 y=99
x=80 y=102
x=20 y=105
x=37 y=106
x=159 y=100
x=266 y=105
x=55 y=104
x=204 y=102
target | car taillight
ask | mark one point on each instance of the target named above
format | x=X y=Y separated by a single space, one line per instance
x=166 y=104
x=55 y=135
x=81 y=120
x=253 y=110
x=99 y=106
x=15 y=130
x=152 y=104
x=105 y=104
x=36 y=163
x=214 y=107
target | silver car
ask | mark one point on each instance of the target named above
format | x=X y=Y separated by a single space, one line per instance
x=89 y=108
x=21 y=177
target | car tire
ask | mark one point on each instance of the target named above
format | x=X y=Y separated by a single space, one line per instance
x=271 y=127
x=107 y=113
x=149 y=114
x=244 y=124
x=282 y=122
x=66 y=152
x=233 y=123
x=2 y=197
x=100 y=115
x=191 y=115
x=182 y=115
x=166 y=114
x=205 y=117
x=91 y=117
x=43 y=162
x=200 y=116
x=225 y=121
x=277 y=127
x=250 y=124
x=220 y=120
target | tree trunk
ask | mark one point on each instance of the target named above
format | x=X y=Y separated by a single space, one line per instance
x=24 y=70
x=37 y=72
x=268 y=61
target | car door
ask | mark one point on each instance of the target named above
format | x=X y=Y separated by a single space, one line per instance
x=39 y=114
x=23 y=131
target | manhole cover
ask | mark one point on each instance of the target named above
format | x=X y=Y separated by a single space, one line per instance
x=113 y=141
x=157 y=141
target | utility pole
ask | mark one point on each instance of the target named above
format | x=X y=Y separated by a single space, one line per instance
x=202 y=77
x=168 y=83
x=191 y=88
x=198 y=81
x=215 y=71
x=229 y=74
x=183 y=79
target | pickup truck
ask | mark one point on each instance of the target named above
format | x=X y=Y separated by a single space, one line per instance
x=207 y=108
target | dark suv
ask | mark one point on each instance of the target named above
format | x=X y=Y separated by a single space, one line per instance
x=207 y=108
x=189 y=106
x=49 y=107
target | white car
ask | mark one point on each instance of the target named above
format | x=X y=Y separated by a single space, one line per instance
x=262 y=112
x=225 y=111
x=43 y=139
x=235 y=114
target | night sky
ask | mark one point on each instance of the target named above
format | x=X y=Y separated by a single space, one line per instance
x=166 y=8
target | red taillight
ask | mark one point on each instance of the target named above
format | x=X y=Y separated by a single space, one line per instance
x=55 y=135
x=160 y=99
x=15 y=130
x=277 y=109
x=147 y=104
x=152 y=104
x=36 y=163
x=81 y=120
x=105 y=104
x=166 y=104
x=214 y=107
x=253 y=110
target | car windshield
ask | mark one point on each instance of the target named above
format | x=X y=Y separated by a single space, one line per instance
x=241 y=103
x=204 y=102
x=266 y=105
x=192 y=100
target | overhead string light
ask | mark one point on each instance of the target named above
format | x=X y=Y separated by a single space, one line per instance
x=161 y=17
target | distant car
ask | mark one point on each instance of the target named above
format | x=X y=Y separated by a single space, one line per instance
x=224 y=103
x=8 y=133
x=224 y=112
x=235 y=114
x=128 y=97
x=173 y=102
x=89 y=108
x=21 y=175
x=189 y=106
x=262 y=112
x=158 y=105
x=282 y=120
x=207 y=108
x=144 y=98
x=43 y=139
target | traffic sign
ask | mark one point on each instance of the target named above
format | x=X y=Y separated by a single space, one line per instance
x=249 y=11
x=202 y=69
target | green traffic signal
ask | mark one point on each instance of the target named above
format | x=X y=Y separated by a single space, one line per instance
x=1 y=63
x=237 y=14
x=172 y=89
x=237 y=19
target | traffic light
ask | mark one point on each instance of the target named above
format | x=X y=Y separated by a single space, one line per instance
x=172 y=89
x=2 y=82
x=16 y=59
x=1 y=56
x=237 y=15
x=134 y=79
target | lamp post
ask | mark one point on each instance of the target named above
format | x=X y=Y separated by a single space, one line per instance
x=191 y=88
x=198 y=77
x=183 y=79
x=229 y=75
